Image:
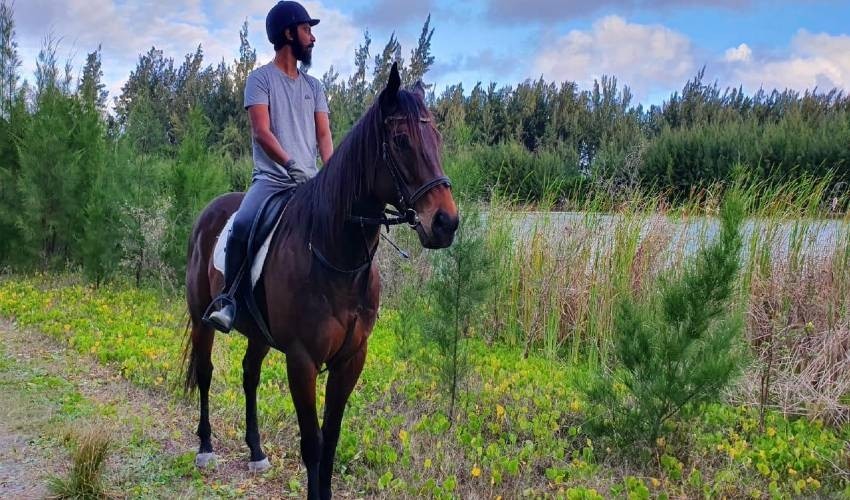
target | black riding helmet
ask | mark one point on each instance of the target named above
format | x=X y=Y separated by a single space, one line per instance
x=282 y=16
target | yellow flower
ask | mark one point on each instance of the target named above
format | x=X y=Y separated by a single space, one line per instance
x=403 y=436
x=655 y=482
x=500 y=411
x=771 y=431
x=791 y=472
x=476 y=471
x=575 y=405
x=661 y=442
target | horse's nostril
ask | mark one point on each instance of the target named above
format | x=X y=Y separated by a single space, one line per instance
x=445 y=223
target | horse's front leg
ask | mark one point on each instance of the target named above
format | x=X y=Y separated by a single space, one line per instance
x=341 y=382
x=302 y=372
x=251 y=365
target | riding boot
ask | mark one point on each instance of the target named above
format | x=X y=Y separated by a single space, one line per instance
x=234 y=263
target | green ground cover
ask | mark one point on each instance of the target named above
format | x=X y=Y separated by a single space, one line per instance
x=519 y=425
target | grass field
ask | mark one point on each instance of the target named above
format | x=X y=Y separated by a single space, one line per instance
x=519 y=428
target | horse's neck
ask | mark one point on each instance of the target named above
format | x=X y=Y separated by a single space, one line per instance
x=350 y=245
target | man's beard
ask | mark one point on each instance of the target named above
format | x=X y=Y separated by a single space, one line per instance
x=303 y=53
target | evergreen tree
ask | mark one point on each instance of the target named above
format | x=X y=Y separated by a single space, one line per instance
x=96 y=230
x=99 y=238
x=10 y=135
x=149 y=93
x=193 y=180
x=46 y=67
x=238 y=135
x=420 y=57
x=9 y=61
x=384 y=62
x=49 y=181
x=247 y=59
x=12 y=121
x=92 y=90
x=460 y=286
x=678 y=349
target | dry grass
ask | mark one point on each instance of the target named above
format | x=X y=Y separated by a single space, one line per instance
x=799 y=332
x=85 y=479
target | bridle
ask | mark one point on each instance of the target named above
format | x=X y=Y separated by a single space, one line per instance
x=406 y=213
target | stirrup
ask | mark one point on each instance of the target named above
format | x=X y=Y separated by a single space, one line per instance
x=225 y=301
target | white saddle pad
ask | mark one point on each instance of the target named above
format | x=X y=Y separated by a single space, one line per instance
x=259 y=259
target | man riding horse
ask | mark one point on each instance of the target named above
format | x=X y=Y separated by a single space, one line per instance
x=288 y=111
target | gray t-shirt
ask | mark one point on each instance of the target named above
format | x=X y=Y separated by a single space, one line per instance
x=292 y=104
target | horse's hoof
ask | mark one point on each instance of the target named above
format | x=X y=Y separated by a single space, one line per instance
x=204 y=460
x=260 y=465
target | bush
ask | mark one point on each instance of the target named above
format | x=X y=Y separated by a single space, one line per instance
x=677 y=349
x=511 y=171
x=684 y=158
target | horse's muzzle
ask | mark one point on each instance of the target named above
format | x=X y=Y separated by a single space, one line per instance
x=443 y=227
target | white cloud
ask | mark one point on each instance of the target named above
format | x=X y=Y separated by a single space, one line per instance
x=814 y=60
x=646 y=57
x=741 y=53
x=549 y=11
x=127 y=29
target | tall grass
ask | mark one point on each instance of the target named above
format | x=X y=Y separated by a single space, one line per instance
x=558 y=277
x=85 y=478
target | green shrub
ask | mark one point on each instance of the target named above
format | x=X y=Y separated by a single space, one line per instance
x=511 y=171
x=676 y=349
x=461 y=283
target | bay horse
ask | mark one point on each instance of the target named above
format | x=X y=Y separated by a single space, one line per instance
x=320 y=289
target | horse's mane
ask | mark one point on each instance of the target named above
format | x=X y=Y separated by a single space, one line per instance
x=322 y=204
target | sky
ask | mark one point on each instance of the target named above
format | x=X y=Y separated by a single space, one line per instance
x=654 y=46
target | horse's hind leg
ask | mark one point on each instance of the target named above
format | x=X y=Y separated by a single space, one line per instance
x=201 y=362
x=341 y=382
x=251 y=365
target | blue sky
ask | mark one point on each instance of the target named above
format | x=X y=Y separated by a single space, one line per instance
x=654 y=46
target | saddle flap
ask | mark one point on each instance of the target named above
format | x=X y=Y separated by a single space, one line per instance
x=259 y=257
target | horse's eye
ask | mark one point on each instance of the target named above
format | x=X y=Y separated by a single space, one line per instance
x=401 y=141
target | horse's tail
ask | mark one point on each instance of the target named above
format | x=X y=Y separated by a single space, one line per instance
x=190 y=360
x=199 y=336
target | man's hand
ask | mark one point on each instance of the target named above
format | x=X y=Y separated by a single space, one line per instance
x=295 y=174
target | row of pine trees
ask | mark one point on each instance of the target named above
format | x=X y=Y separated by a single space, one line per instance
x=111 y=184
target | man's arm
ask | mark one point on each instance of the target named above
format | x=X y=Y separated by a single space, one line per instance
x=323 y=137
x=261 y=129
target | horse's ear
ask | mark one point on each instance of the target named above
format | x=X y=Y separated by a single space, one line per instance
x=389 y=96
x=394 y=82
x=419 y=90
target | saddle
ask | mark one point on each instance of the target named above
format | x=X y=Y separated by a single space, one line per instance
x=247 y=295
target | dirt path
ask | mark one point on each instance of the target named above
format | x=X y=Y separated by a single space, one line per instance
x=47 y=389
